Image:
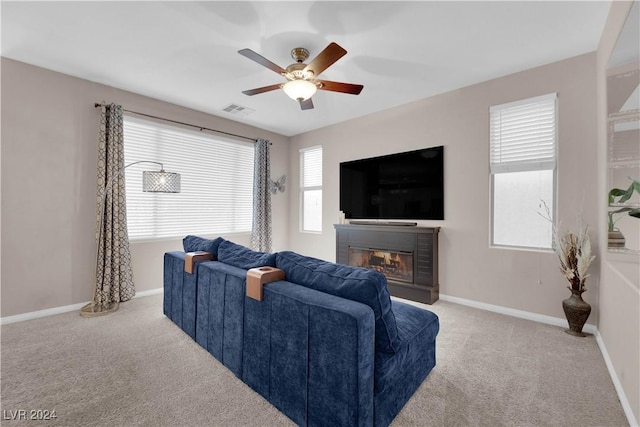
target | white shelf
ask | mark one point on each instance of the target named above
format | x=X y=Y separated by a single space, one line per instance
x=624 y=251
x=624 y=205
x=623 y=255
x=621 y=164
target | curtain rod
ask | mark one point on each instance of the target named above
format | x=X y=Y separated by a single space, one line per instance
x=99 y=104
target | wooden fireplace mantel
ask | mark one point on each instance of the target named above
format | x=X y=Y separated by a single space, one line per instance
x=422 y=242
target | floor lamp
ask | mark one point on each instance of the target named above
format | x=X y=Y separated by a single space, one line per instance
x=152 y=182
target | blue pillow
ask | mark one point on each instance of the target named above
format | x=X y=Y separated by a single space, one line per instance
x=195 y=243
x=357 y=284
x=243 y=257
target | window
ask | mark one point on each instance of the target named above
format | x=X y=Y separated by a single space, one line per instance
x=216 y=182
x=311 y=189
x=523 y=164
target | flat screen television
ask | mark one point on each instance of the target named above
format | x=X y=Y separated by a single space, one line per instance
x=407 y=186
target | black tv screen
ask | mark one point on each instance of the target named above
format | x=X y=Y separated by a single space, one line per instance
x=405 y=186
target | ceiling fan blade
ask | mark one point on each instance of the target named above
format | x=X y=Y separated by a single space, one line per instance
x=341 y=87
x=263 y=89
x=307 y=104
x=261 y=60
x=328 y=56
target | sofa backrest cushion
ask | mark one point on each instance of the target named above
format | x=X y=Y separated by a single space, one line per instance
x=194 y=243
x=357 y=284
x=243 y=257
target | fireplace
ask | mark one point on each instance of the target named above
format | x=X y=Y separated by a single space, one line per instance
x=395 y=265
x=406 y=255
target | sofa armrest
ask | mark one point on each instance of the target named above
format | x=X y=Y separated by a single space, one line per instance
x=179 y=292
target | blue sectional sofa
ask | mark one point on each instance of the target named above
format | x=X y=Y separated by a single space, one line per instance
x=326 y=346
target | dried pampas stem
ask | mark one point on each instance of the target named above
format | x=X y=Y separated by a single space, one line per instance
x=574 y=252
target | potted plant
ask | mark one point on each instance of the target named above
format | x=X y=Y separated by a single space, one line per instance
x=573 y=249
x=574 y=252
x=618 y=196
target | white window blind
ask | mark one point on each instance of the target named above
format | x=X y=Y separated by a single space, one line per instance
x=523 y=135
x=216 y=179
x=312 y=167
x=311 y=189
x=522 y=144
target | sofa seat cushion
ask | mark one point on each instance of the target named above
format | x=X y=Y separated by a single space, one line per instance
x=357 y=284
x=417 y=330
x=195 y=243
x=243 y=257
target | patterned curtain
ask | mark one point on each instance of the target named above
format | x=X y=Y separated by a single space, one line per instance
x=261 y=230
x=114 y=277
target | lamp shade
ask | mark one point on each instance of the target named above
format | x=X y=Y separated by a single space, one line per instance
x=160 y=182
x=300 y=90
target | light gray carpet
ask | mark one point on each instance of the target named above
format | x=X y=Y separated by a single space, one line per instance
x=136 y=368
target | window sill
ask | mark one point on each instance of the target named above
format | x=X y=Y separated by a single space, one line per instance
x=310 y=232
x=523 y=249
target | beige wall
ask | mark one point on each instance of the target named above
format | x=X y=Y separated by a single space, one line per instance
x=619 y=323
x=469 y=268
x=49 y=138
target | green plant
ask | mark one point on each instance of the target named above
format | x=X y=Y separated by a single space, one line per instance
x=619 y=196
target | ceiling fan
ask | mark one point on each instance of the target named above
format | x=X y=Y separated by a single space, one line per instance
x=302 y=80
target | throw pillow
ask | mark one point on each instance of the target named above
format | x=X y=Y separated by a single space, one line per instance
x=194 y=243
x=243 y=257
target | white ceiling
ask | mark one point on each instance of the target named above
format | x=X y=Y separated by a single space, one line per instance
x=186 y=52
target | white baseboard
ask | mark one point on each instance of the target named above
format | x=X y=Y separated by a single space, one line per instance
x=155 y=291
x=550 y=320
x=616 y=382
x=557 y=321
x=64 y=309
x=40 y=313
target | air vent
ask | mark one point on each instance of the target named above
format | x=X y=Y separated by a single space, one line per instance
x=238 y=110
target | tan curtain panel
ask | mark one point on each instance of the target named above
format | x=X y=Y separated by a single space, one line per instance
x=261 y=230
x=114 y=277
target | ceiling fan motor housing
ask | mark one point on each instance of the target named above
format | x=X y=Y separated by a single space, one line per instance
x=296 y=72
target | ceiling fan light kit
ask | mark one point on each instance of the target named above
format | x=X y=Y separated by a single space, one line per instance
x=301 y=82
x=299 y=90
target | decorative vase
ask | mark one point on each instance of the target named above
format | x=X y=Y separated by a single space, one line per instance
x=616 y=239
x=576 y=311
